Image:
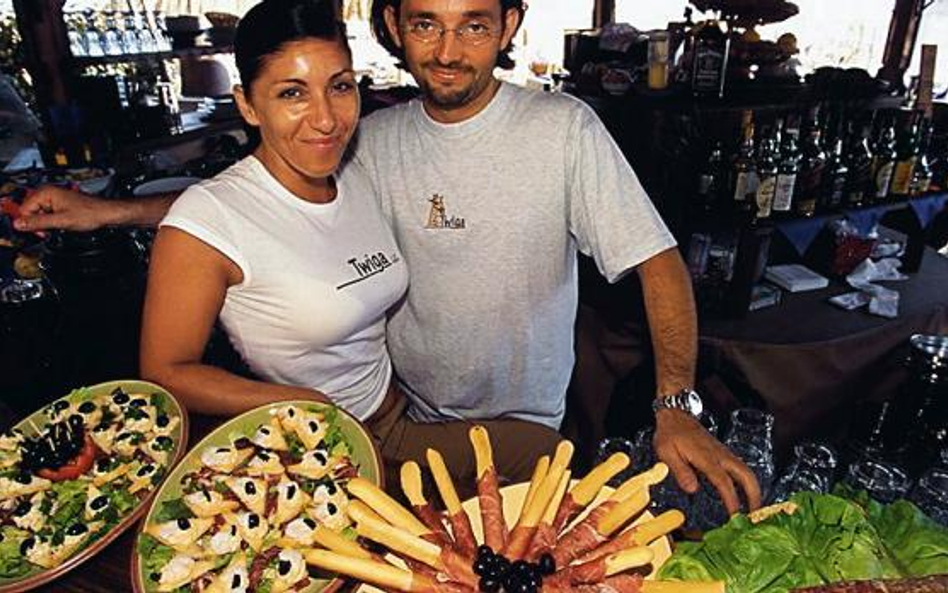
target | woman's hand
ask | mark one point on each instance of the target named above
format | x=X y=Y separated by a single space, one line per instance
x=686 y=447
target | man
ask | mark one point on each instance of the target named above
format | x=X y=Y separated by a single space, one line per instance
x=491 y=190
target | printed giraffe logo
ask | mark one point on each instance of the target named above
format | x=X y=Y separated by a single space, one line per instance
x=438 y=217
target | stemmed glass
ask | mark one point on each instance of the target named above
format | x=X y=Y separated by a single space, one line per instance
x=811 y=470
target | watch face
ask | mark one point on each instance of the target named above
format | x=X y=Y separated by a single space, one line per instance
x=694 y=403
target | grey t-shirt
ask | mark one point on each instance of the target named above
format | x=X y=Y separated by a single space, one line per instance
x=489 y=214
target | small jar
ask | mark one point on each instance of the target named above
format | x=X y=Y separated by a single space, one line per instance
x=658 y=59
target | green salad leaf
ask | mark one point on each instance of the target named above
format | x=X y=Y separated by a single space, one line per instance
x=171 y=510
x=70 y=502
x=154 y=554
x=12 y=563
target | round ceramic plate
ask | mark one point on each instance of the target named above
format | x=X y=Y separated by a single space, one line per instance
x=364 y=455
x=39 y=419
x=513 y=501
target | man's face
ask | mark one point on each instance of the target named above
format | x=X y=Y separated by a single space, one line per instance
x=455 y=69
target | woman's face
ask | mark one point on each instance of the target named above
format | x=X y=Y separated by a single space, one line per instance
x=305 y=101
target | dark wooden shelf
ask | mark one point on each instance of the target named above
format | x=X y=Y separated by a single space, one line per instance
x=198 y=50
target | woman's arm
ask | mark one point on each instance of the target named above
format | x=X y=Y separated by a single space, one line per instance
x=187 y=281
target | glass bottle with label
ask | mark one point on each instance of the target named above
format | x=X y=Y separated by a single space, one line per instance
x=906 y=149
x=859 y=162
x=744 y=171
x=922 y=176
x=709 y=65
x=883 y=164
x=787 y=177
x=766 y=177
x=834 y=179
x=812 y=168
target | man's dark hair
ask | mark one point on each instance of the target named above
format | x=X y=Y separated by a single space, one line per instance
x=271 y=24
x=380 y=30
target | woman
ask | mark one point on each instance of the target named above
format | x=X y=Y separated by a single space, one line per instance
x=289 y=249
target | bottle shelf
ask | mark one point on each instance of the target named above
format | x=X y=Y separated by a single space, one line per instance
x=198 y=50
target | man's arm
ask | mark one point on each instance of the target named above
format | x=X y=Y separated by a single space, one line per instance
x=52 y=207
x=680 y=440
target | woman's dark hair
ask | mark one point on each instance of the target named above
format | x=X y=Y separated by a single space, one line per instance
x=380 y=30
x=271 y=24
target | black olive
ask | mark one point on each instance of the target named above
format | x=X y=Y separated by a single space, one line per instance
x=162 y=421
x=249 y=488
x=547 y=564
x=265 y=431
x=309 y=522
x=145 y=470
x=138 y=402
x=184 y=524
x=119 y=396
x=223 y=450
x=207 y=496
x=283 y=567
x=480 y=567
x=123 y=436
x=23 y=478
x=76 y=529
x=253 y=520
x=263 y=456
x=22 y=509
x=233 y=530
x=235 y=582
x=155 y=576
x=162 y=443
x=291 y=413
x=60 y=405
x=27 y=545
x=331 y=508
x=313 y=426
x=99 y=502
x=484 y=550
x=101 y=428
x=102 y=465
x=331 y=488
x=320 y=457
x=243 y=443
x=489 y=585
x=290 y=491
x=86 y=407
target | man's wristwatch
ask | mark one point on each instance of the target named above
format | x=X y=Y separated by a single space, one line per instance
x=686 y=400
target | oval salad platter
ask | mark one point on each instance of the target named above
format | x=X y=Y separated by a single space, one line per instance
x=236 y=510
x=78 y=472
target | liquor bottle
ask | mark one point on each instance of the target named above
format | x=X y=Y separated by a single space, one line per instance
x=834 y=179
x=883 y=164
x=709 y=64
x=922 y=176
x=812 y=168
x=744 y=171
x=906 y=149
x=710 y=180
x=766 y=177
x=859 y=162
x=787 y=178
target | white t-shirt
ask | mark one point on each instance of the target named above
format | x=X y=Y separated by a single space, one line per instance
x=318 y=279
x=489 y=214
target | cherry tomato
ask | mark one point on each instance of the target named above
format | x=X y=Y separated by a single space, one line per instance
x=77 y=466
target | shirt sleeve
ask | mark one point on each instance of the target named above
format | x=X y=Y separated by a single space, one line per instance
x=202 y=215
x=611 y=216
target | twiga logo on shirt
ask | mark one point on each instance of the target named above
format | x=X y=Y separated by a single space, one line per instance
x=438 y=217
x=369 y=265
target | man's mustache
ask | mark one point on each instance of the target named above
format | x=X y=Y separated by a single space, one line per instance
x=458 y=67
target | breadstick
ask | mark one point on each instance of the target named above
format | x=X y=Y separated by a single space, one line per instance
x=585 y=491
x=598 y=570
x=370 y=526
x=414 y=492
x=544 y=537
x=386 y=506
x=488 y=492
x=649 y=477
x=622 y=512
x=335 y=542
x=596 y=527
x=530 y=516
x=639 y=535
x=460 y=522
x=539 y=472
x=377 y=573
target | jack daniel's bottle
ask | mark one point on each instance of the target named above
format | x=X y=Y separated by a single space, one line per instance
x=709 y=66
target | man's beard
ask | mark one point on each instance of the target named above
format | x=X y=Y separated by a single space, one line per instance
x=449 y=98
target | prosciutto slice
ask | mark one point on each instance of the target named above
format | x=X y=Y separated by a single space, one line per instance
x=583 y=537
x=492 y=510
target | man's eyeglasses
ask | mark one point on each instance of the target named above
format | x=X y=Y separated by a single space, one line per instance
x=427 y=31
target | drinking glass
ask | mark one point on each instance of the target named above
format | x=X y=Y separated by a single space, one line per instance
x=931 y=494
x=610 y=445
x=811 y=470
x=752 y=426
x=883 y=481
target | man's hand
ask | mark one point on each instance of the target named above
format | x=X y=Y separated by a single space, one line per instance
x=52 y=207
x=686 y=447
